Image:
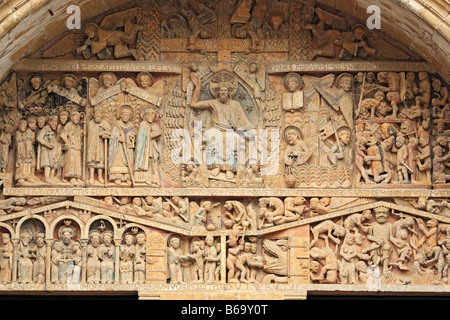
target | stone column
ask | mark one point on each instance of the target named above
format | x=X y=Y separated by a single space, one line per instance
x=84 y=243
x=49 y=243
x=117 y=243
x=223 y=259
x=15 y=243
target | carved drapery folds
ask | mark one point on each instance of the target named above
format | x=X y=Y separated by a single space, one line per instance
x=380 y=246
x=194 y=145
x=364 y=129
x=93 y=243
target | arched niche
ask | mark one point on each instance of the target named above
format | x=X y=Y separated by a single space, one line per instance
x=238 y=89
x=129 y=228
x=101 y=223
x=73 y=221
x=6 y=228
x=34 y=224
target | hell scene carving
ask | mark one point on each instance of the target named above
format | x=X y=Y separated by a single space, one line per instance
x=223 y=143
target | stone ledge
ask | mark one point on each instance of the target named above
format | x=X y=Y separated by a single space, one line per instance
x=29 y=65
x=370 y=289
x=224 y=295
x=220 y=291
x=341 y=66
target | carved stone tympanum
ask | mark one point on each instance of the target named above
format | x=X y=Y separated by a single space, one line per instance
x=204 y=148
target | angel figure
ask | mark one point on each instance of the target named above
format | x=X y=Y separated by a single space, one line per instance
x=33 y=92
x=69 y=90
x=144 y=91
x=106 y=90
x=199 y=18
x=174 y=26
x=247 y=21
x=327 y=40
x=7 y=94
x=340 y=97
x=107 y=34
x=276 y=27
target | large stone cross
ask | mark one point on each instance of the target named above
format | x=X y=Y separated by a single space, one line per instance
x=224 y=44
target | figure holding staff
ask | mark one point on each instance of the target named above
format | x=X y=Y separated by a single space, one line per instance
x=121 y=147
x=71 y=136
x=99 y=131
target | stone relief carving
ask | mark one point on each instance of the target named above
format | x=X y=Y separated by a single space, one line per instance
x=6 y=265
x=112 y=38
x=320 y=109
x=102 y=255
x=31 y=254
x=93 y=196
x=126 y=145
x=382 y=245
x=348 y=244
x=394 y=133
x=66 y=256
x=318 y=135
